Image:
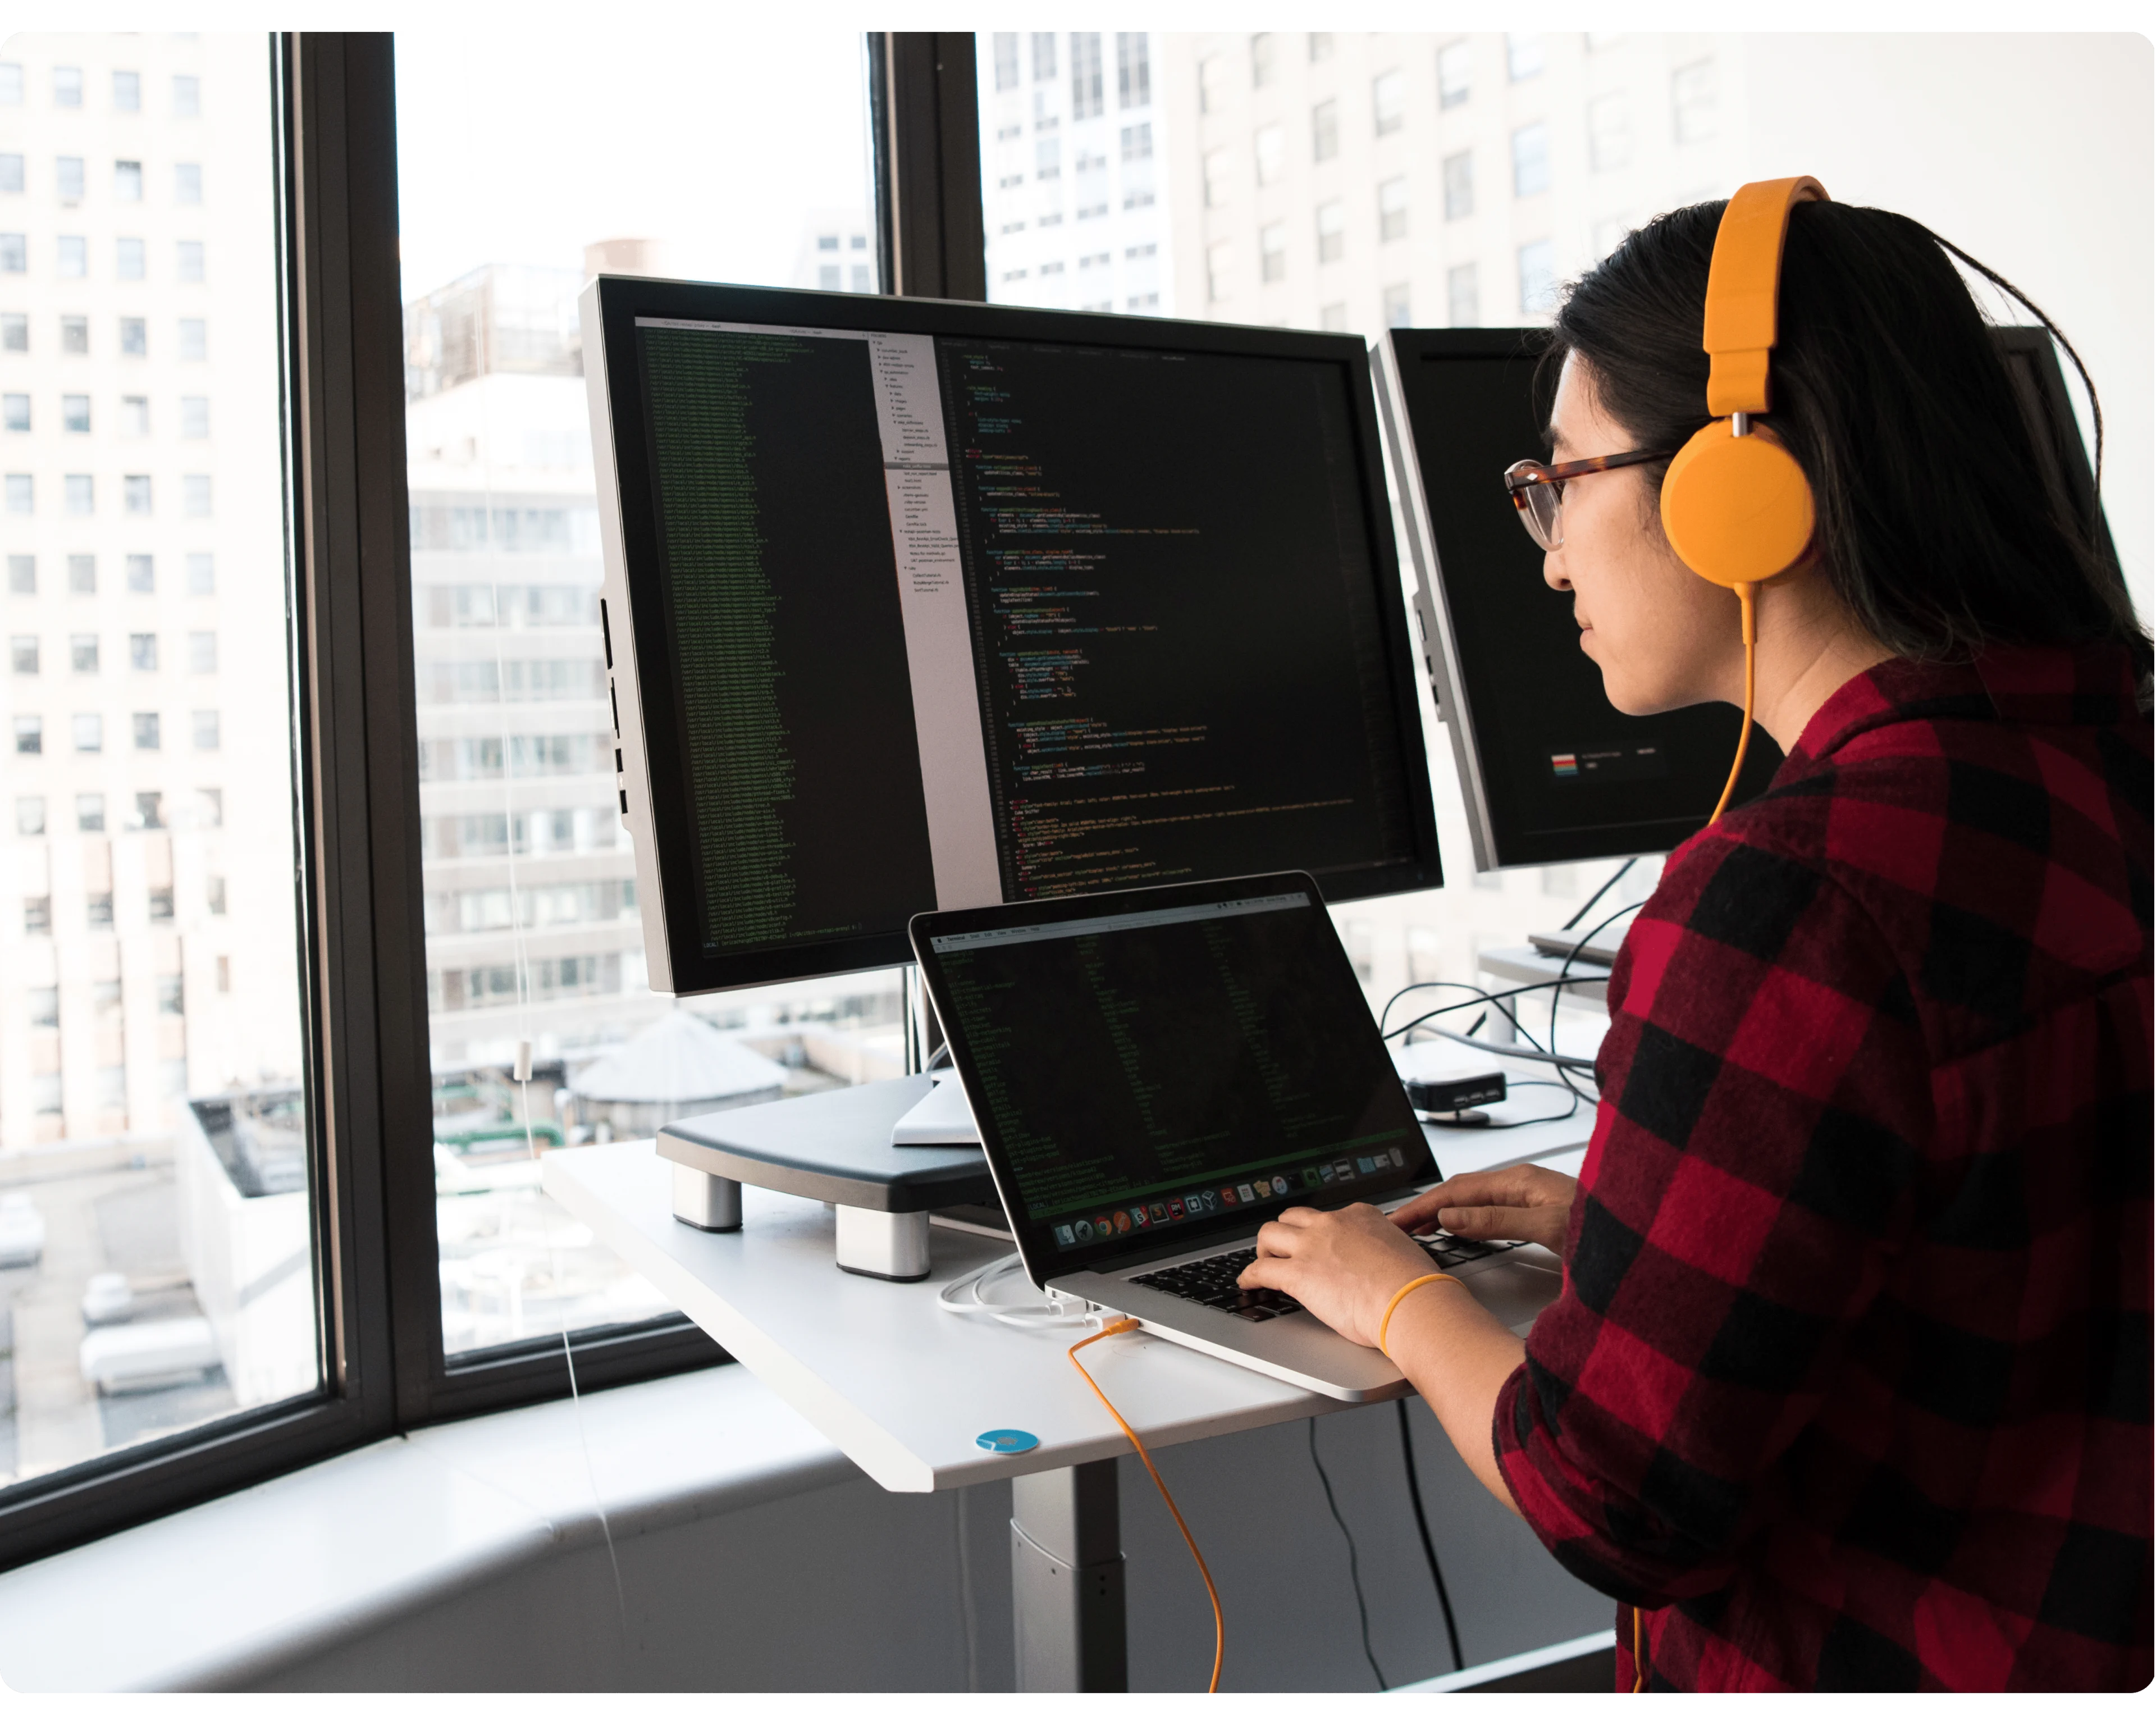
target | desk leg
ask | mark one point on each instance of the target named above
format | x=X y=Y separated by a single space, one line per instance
x=1067 y=1580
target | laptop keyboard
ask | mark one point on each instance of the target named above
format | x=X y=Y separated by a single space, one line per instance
x=1211 y=1281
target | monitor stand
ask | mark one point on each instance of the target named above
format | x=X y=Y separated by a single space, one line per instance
x=834 y=1146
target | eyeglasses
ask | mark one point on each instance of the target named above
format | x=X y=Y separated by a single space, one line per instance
x=1537 y=489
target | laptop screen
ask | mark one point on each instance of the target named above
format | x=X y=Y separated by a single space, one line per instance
x=1167 y=1062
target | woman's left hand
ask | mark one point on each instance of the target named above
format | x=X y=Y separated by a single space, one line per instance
x=1344 y=1265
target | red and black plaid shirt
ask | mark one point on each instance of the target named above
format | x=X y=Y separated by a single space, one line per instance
x=1848 y=1384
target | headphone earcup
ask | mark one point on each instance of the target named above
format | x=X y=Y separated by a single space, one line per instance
x=1735 y=509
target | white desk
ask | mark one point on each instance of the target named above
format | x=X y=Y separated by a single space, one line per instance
x=1583 y=982
x=904 y=1388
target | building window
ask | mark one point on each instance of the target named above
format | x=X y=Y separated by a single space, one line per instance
x=135 y=491
x=1332 y=231
x=82 y=654
x=141 y=572
x=22 y=573
x=187 y=182
x=201 y=652
x=1263 y=68
x=1392 y=209
x=44 y=1003
x=1272 y=252
x=21 y=494
x=1608 y=133
x=30 y=817
x=1389 y=101
x=1334 y=316
x=74 y=414
x=142 y=652
x=206 y=730
x=1044 y=55
x=15 y=410
x=72 y=254
x=1531 y=160
x=68 y=177
x=134 y=416
x=22 y=654
x=127 y=182
x=161 y=904
x=129 y=259
x=1537 y=277
x=14 y=332
x=191 y=260
x=864 y=283
x=202 y=573
x=212 y=805
x=75 y=334
x=1523 y=54
x=90 y=813
x=1137 y=141
x=213 y=892
x=15 y=253
x=1325 y=130
x=1133 y=69
x=1217 y=164
x=171 y=996
x=127 y=92
x=223 y=974
x=827 y=277
x=37 y=915
x=11 y=84
x=1321 y=46
x=82 y=573
x=1006 y=60
x=194 y=493
x=1396 y=306
x=187 y=96
x=30 y=734
x=79 y=491
x=149 y=811
x=1270 y=147
x=1691 y=101
x=88 y=731
x=194 y=338
x=135 y=344
x=1220 y=264
x=149 y=734
x=1213 y=84
x=1088 y=92
x=10 y=172
x=1463 y=300
x=1454 y=68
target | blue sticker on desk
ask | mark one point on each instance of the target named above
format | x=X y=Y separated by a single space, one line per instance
x=1008 y=1443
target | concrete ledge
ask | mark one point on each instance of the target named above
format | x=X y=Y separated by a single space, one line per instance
x=218 y=1596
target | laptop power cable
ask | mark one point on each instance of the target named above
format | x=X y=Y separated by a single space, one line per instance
x=1121 y=1326
x=1428 y=1548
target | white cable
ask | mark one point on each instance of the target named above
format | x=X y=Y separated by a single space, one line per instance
x=967 y=1296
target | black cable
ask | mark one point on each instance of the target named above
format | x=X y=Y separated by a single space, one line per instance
x=1573 y=921
x=1354 y=1569
x=1429 y=1550
x=1511 y=1051
x=1564 y=970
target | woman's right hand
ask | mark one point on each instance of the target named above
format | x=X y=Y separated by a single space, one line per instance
x=1523 y=1203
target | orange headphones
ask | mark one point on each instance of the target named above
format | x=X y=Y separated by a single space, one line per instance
x=1737 y=508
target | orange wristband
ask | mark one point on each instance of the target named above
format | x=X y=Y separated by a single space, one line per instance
x=1385 y=1322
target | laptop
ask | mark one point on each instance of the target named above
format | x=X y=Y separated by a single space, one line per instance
x=1155 y=1074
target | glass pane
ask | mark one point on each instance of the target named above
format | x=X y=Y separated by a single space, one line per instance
x=155 y=1256
x=726 y=155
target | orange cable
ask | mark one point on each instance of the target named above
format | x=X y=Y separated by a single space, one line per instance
x=1639 y=1668
x=1219 y=1628
x=1750 y=625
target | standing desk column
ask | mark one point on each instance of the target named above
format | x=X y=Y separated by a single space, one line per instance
x=1067 y=1580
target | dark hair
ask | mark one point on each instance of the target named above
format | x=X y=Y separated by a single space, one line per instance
x=1936 y=524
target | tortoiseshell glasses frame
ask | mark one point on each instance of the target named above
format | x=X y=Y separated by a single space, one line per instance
x=1537 y=489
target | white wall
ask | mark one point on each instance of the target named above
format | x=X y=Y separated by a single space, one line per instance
x=2032 y=152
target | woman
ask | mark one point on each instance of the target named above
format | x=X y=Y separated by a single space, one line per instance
x=1849 y=1383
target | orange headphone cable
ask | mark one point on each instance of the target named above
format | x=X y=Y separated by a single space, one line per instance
x=1219 y=1628
x=1745 y=589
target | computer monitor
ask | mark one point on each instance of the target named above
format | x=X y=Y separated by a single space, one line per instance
x=1550 y=772
x=913 y=604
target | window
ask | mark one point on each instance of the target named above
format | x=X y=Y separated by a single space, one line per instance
x=1133 y=69
x=1263 y=68
x=1458 y=186
x=171 y=996
x=1086 y=91
x=15 y=253
x=10 y=172
x=211 y=803
x=67 y=86
x=194 y=493
x=1321 y=46
x=11 y=84
x=1213 y=84
x=1389 y=101
x=1454 y=70
x=187 y=96
x=194 y=338
x=1272 y=252
x=30 y=817
x=1530 y=160
x=1523 y=56
x=22 y=654
x=88 y=730
x=90 y=813
x=1325 y=130
x=134 y=416
x=44 y=1004
x=1270 y=147
x=142 y=652
x=1537 y=278
x=22 y=573
x=1332 y=231
x=127 y=92
x=187 y=182
x=1047 y=158
x=1137 y=141
x=68 y=177
x=1044 y=55
x=161 y=904
x=213 y=896
x=1463 y=303
x=71 y=254
x=1216 y=166
x=149 y=810
x=191 y=260
x=74 y=414
x=129 y=259
x=30 y=734
x=1393 y=209
x=1333 y=316
x=1396 y=316
x=1006 y=60
x=14 y=332
x=141 y=572
x=205 y=730
x=201 y=652
x=75 y=334
x=127 y=182
x=82 y=573
x=202 y=573
x=1692 y=101
x=827 y=277
x=21 y=494
x=1608 y=133
x=79 y=494
x=134 y=492
x=15 y=410
x=82 y=654
x=1220 y=270
x=97 y=908
x=149 y=734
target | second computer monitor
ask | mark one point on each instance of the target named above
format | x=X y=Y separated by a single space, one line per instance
x=915 y=605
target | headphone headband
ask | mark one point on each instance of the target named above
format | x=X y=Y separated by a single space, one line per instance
x=1743 y=289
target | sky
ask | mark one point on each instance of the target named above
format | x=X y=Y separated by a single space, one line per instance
x=523 y=145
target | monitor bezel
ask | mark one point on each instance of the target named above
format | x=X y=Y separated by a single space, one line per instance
x=639 y=672
x=1035 y=1240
